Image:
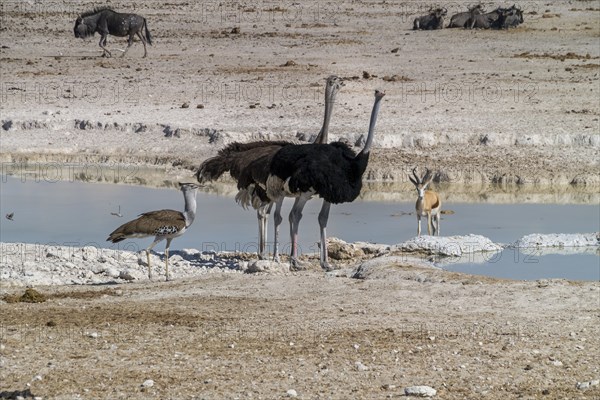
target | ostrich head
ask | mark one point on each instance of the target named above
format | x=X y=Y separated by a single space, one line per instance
x=332 y=86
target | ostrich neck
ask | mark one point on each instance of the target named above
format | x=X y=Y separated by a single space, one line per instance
x=190 y=206
x=371 y=134
x=329 y=101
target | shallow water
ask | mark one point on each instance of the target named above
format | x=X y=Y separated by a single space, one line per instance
x=74 y=213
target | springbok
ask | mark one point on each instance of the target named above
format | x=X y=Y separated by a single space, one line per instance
x=428 y=203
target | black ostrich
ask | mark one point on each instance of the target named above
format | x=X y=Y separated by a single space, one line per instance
x=332 y=171
x=248 y=164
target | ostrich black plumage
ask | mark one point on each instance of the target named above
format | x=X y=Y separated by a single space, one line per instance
x=332 y=171
x=248 y=164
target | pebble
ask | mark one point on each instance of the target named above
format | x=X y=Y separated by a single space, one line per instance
x=583 y=385
x=421 y=391
x=292 y=393
x=148 y=383
x=588 y=384
x=360 y=366
x=93 y=335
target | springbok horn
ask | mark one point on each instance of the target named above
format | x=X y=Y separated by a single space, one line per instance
x=414 y=171
x=427 y=175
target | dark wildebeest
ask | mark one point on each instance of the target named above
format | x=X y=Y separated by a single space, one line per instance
x=487 y=20
x=512 y=17
x=460 y=20
x=434 y=20
x=106 y=21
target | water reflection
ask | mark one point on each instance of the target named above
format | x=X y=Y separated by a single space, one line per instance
x=167 y=177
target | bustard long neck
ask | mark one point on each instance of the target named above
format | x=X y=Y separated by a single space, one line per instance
x=373 y=121
x=189 y=212
x=330 y=93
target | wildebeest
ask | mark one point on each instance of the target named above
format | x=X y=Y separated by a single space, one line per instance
x=106 y=21
x=511 y=17
x=485 y=21
x=460 y=20
x=434 y=20
x=499 y=18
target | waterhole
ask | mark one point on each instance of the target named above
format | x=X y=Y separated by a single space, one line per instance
x=75 y=213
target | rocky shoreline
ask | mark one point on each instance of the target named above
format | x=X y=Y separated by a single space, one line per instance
x=29 y=265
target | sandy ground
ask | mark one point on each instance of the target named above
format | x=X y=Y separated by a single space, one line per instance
x=258 y=336
x=517 y=108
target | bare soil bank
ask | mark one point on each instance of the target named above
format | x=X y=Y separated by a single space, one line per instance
x=509 y=107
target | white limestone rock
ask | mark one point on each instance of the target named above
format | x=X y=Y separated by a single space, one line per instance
x=131 y=274
x=420 y=391
x=268 y=266
x=454 y=246
x=538 y=240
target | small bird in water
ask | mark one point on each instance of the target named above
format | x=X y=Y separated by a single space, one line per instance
x=162 y=224
x=117 y=214
x=10 y=216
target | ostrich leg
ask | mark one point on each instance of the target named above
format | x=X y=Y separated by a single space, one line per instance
x=323 y=217
x=263 y=214
x=277 y=219
x=295 y=217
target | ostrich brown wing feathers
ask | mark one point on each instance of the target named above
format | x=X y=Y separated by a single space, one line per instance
x=212 y=169
x=237 y=147
x=161 y=222
x=257 y=170
x=235 y=158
